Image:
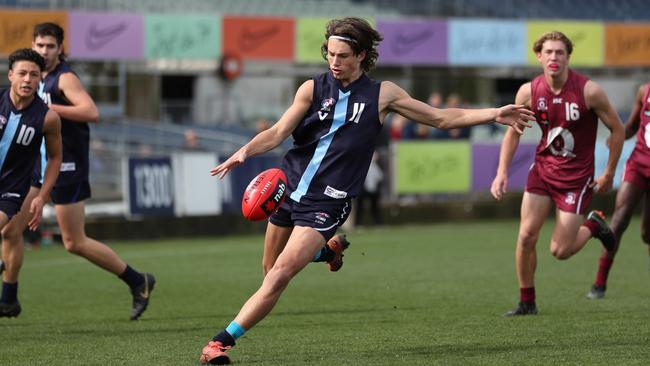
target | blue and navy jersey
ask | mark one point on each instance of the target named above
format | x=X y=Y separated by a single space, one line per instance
x=22 y=134
x=334 y=143
x=75 y=135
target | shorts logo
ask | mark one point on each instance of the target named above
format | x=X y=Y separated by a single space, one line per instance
x=321 y=217
x=325 y=107
x=570 y=198
x=10 y=195
x=335 y=193
x=68 y=167
x=3 y=122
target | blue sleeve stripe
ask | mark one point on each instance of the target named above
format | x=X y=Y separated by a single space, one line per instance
x=340 y=111
x=8 y=136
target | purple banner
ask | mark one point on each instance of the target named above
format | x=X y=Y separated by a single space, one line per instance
x=413 y=42
x=106 y=36
x=485 y=160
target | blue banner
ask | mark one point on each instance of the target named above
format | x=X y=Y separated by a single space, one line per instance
x=151 y=186
x=487 y=42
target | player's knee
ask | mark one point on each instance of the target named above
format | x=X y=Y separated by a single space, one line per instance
x=527 y=240
x=72 y=246
x=278 y=278
x=11 y=237
x=560 y=253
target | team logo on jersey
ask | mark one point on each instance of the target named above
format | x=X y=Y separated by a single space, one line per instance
x=570 y=198
x=646 y=111
x=561 y=142
x=541 y=104
x=325 y=107
x=3 y=122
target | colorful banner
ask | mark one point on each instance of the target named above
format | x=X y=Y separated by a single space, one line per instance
x=183 y=36
x=413 y=42
x=627 y=45
x=483 y=42
x=310 y=34
x=17 y=27
x=432 y=166
x=259 y=38
x=485 y=160
x=106 y=36
x=588 y=39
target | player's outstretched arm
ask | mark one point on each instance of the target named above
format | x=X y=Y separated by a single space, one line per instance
x=82 y=108
x=508 y=148
x=634 y=120
x=272 y=137
x=52 y=135
x=395 y=99
x=597 y=100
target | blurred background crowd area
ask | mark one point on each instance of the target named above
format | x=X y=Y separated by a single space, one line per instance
x=172 y=92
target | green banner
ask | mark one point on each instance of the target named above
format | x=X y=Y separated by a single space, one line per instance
x=310 y=35
x=588 y=39
x=432 y=166
x=183 y=36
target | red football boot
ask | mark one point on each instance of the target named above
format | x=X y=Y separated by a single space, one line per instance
x=337 y=244
x=215 y=354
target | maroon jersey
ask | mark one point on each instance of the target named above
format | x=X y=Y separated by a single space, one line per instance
x=565 y=153
x=641 y=153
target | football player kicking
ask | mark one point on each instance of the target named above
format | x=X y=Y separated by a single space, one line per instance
x=334 y=119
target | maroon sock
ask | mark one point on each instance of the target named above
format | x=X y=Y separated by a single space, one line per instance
x=604 y=265
x=592 y=226
x=527 y=294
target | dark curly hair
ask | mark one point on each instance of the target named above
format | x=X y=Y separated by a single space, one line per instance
x=26 y=54
x=363 y=38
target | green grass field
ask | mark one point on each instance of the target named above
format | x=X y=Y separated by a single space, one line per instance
x=419 y=295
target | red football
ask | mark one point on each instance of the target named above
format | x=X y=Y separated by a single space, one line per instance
x=264 y=194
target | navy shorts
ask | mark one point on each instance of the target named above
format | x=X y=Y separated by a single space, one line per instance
x=35 y=179
x=11 y=205
x=324 y=217
x=71 y=193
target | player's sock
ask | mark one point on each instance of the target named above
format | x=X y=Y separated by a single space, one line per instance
x=593 y=227
x=9 y=293
x=527 y=295
x=132 y=277
x=228 y=336
x=604 y=265
x=324 y=255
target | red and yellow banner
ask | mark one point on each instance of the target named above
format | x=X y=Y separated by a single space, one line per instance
x=259 y=38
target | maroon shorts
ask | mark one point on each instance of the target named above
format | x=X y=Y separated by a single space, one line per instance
x=573 y=199
x=635 y=174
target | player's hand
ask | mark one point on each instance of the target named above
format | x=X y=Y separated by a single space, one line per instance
x=602 y=184
x=515 y=116
x=36 y=209
x=499 y=186
x=228 y=165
